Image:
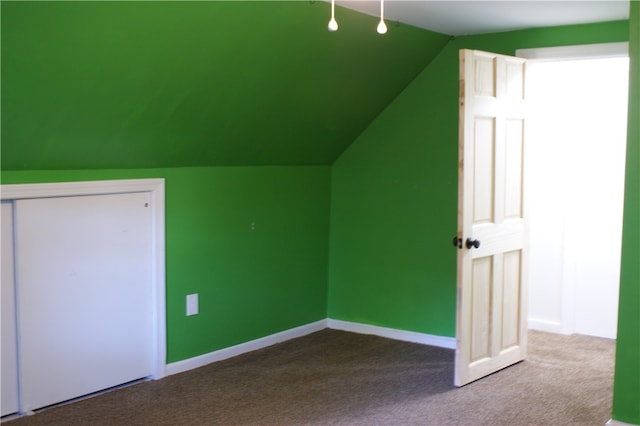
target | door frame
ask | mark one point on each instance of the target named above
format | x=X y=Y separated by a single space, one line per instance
x=566 y=323
x=583 y=51
x=10 y=401
x=156 y=188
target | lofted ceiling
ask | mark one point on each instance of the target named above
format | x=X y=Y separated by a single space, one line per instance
x=464 y=17
x=88 y=85
x=95 y=85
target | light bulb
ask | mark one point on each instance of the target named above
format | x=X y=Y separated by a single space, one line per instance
x=333 y=25
x=382 y=27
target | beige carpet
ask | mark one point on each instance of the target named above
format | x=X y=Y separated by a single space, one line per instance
x=338 y=378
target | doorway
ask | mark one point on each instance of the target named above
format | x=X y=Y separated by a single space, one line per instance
x=87 y=295
x=576 y=159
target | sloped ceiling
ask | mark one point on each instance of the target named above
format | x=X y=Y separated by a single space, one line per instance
x=464 y=17
x=166 y=84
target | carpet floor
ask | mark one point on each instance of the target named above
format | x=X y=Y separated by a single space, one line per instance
x=339 y=378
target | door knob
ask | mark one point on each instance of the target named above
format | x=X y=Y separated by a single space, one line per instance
x=457 y=242
x=472 y=243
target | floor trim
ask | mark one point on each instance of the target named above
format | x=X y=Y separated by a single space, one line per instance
x=391 y=333
x=263 y=342
x=617 y=423
x=548 y=326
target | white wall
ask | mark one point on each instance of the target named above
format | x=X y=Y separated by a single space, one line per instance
x=575 y=189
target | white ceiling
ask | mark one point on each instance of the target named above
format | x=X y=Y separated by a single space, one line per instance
x=462 y=17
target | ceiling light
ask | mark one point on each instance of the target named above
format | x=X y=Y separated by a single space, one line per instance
x=333 y=24
x=382 y=27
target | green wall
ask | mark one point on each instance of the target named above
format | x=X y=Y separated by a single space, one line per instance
x=143 y=84
x=394 y=194
x=626 y=401
x=393 y=212
x=168 y=89
x=252 y=283
x=394 y=204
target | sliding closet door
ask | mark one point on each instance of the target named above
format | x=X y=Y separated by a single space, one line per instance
x=85 y=296
x=9 y=355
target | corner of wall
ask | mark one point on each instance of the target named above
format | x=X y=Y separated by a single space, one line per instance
x=626 y=391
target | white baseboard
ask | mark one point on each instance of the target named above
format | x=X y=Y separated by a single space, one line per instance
x=617 y=423
x=544 y=325
x=391 y=333
x=263 y=342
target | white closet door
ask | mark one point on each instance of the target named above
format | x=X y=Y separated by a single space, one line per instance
x=85 y=296
x=9 y=390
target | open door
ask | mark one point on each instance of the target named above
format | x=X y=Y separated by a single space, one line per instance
x=491 y=321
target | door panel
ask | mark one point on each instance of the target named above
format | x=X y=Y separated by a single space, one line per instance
x=9 y=390
x=491 y=321
x=512 y=263
x=85 y=303
x=514 y=159
x=483 y=170
x=482 y=276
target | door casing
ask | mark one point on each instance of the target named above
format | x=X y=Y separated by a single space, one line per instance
x=156 y=189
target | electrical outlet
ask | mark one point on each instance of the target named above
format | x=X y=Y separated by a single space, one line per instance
x=192 y=304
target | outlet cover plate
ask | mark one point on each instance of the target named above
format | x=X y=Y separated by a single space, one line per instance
x=192 y=304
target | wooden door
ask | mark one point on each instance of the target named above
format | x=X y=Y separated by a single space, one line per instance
x=85 y=306
x=9 y=403
x=491 y=278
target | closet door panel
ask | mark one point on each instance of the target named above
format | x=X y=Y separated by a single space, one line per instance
x=9 y=390
x=85 y=296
